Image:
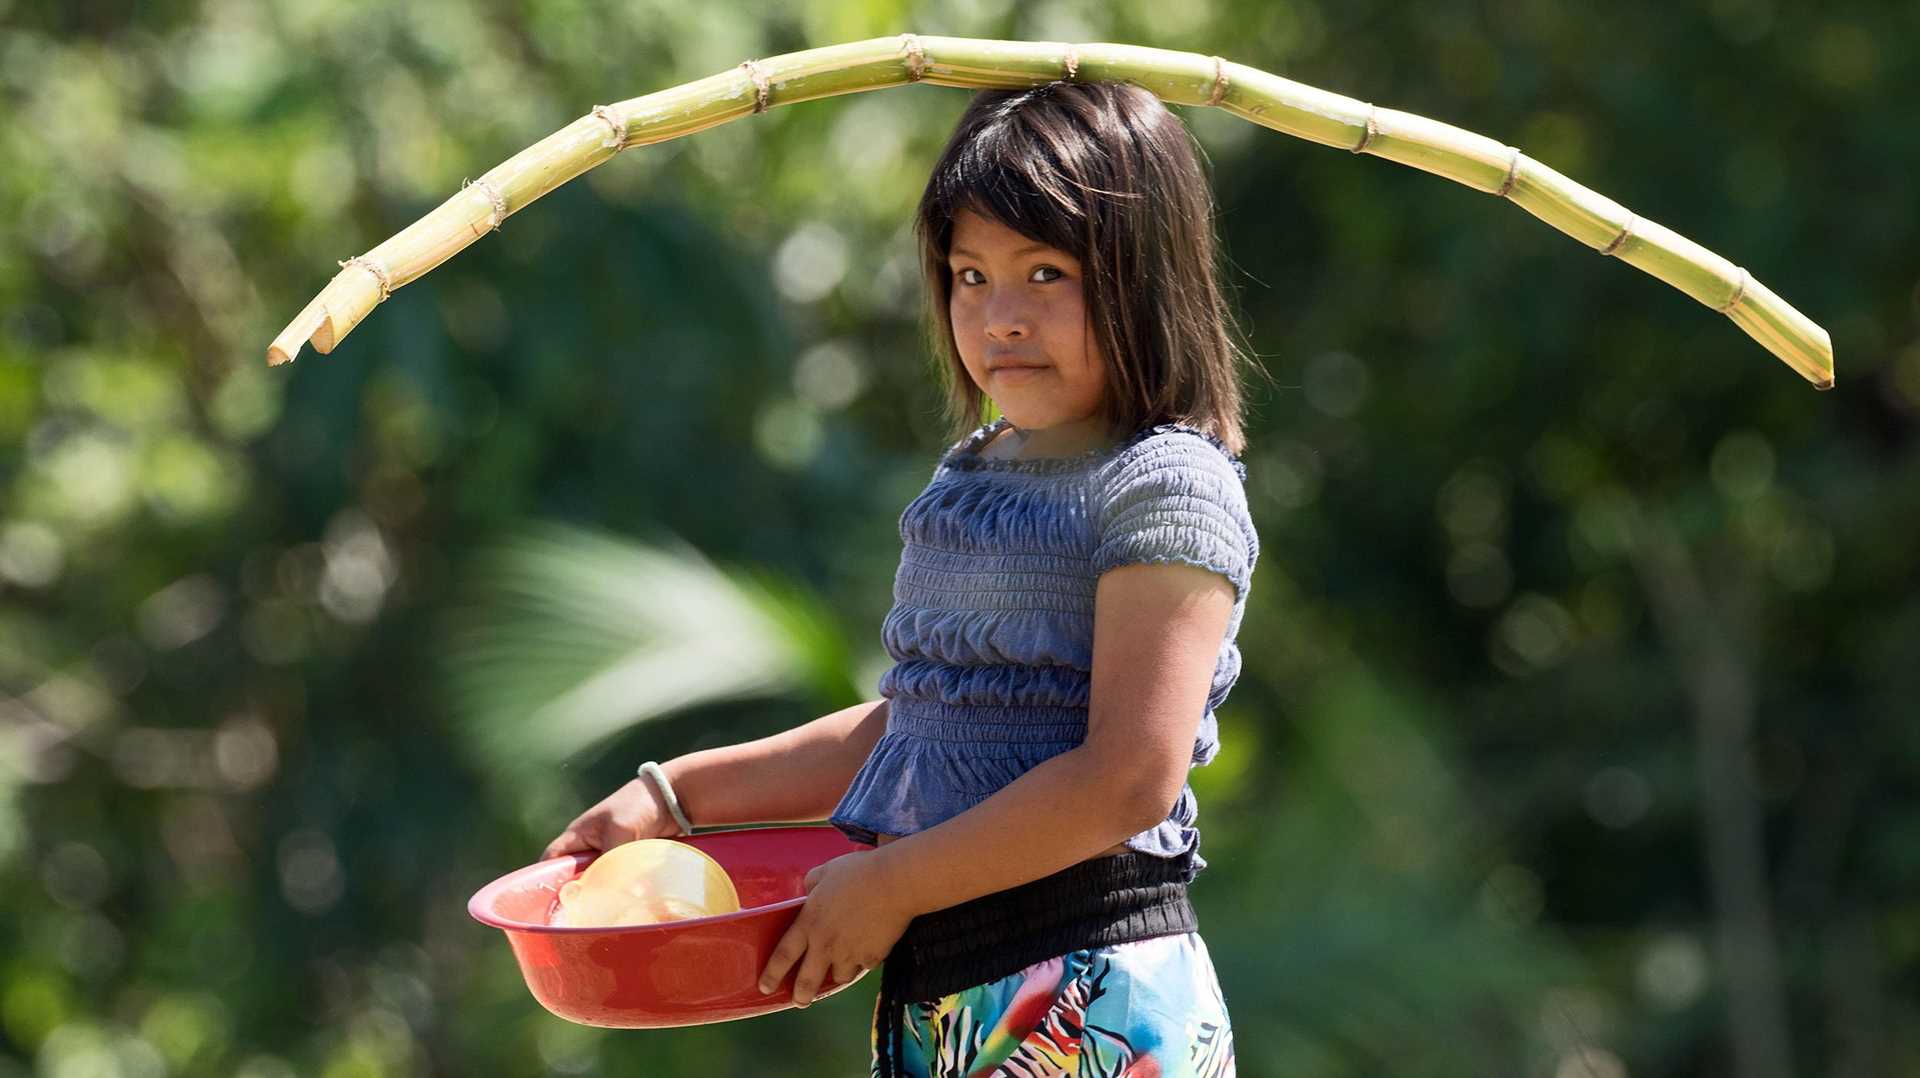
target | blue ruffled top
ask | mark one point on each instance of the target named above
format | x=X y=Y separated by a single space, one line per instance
x=991 y=629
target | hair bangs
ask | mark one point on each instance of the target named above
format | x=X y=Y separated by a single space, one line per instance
x=1009 y=173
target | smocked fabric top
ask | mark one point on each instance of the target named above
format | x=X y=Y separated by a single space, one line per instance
x=991 y=629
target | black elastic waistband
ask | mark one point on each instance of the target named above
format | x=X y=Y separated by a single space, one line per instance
x=1096 y=903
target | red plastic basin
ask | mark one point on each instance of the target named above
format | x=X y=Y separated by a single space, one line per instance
x=681 y=973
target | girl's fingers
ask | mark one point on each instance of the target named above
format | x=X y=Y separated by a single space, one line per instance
x=570 y=841
x=591 y=833
x=785 y=954
x=806 y=985
x=847 y=972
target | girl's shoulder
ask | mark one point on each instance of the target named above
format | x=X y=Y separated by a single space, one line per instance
x=1178 y=441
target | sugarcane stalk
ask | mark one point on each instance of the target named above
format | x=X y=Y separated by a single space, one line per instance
x=1181 y=78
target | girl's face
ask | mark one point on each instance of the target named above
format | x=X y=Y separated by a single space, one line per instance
x=1020 y=320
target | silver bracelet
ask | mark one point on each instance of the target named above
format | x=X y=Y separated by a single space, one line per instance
x=652 y=770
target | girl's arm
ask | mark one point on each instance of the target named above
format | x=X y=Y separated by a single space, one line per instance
x=1157 y=635
x=795 y=775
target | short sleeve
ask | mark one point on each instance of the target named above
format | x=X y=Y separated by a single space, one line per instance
x=1178 y=498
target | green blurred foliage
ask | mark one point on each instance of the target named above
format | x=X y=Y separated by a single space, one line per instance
x=1564 y=577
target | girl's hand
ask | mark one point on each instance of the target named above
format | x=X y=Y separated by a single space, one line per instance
x=850 y=921
x=635 y=810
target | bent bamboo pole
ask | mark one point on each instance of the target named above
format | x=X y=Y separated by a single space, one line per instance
x=1182 y=78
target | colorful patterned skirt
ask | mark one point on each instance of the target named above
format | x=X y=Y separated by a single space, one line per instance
x=1151 y=1007
x=1098 y=969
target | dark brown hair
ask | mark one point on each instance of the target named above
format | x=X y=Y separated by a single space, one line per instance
x=1104 y=172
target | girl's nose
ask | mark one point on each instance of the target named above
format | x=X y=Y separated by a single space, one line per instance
x=1006 y=322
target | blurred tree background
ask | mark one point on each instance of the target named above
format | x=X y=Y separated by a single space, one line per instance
x=1574 y=737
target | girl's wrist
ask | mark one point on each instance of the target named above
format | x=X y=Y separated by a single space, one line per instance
x=658 y=801
x=891 y=866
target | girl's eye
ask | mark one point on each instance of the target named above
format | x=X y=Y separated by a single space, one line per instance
x=1038 y=269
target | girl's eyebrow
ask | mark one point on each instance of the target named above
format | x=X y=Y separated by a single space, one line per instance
x=1021 y=251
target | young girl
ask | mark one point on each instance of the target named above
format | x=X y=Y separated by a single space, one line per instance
x=1071 y=584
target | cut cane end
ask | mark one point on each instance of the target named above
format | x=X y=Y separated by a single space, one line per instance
x=327 y=332
x=1822 y=377
x=325 y=338
x=1819 y=375
x=286 y=347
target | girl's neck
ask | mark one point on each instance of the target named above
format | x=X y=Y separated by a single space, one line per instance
x=1070 y=439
